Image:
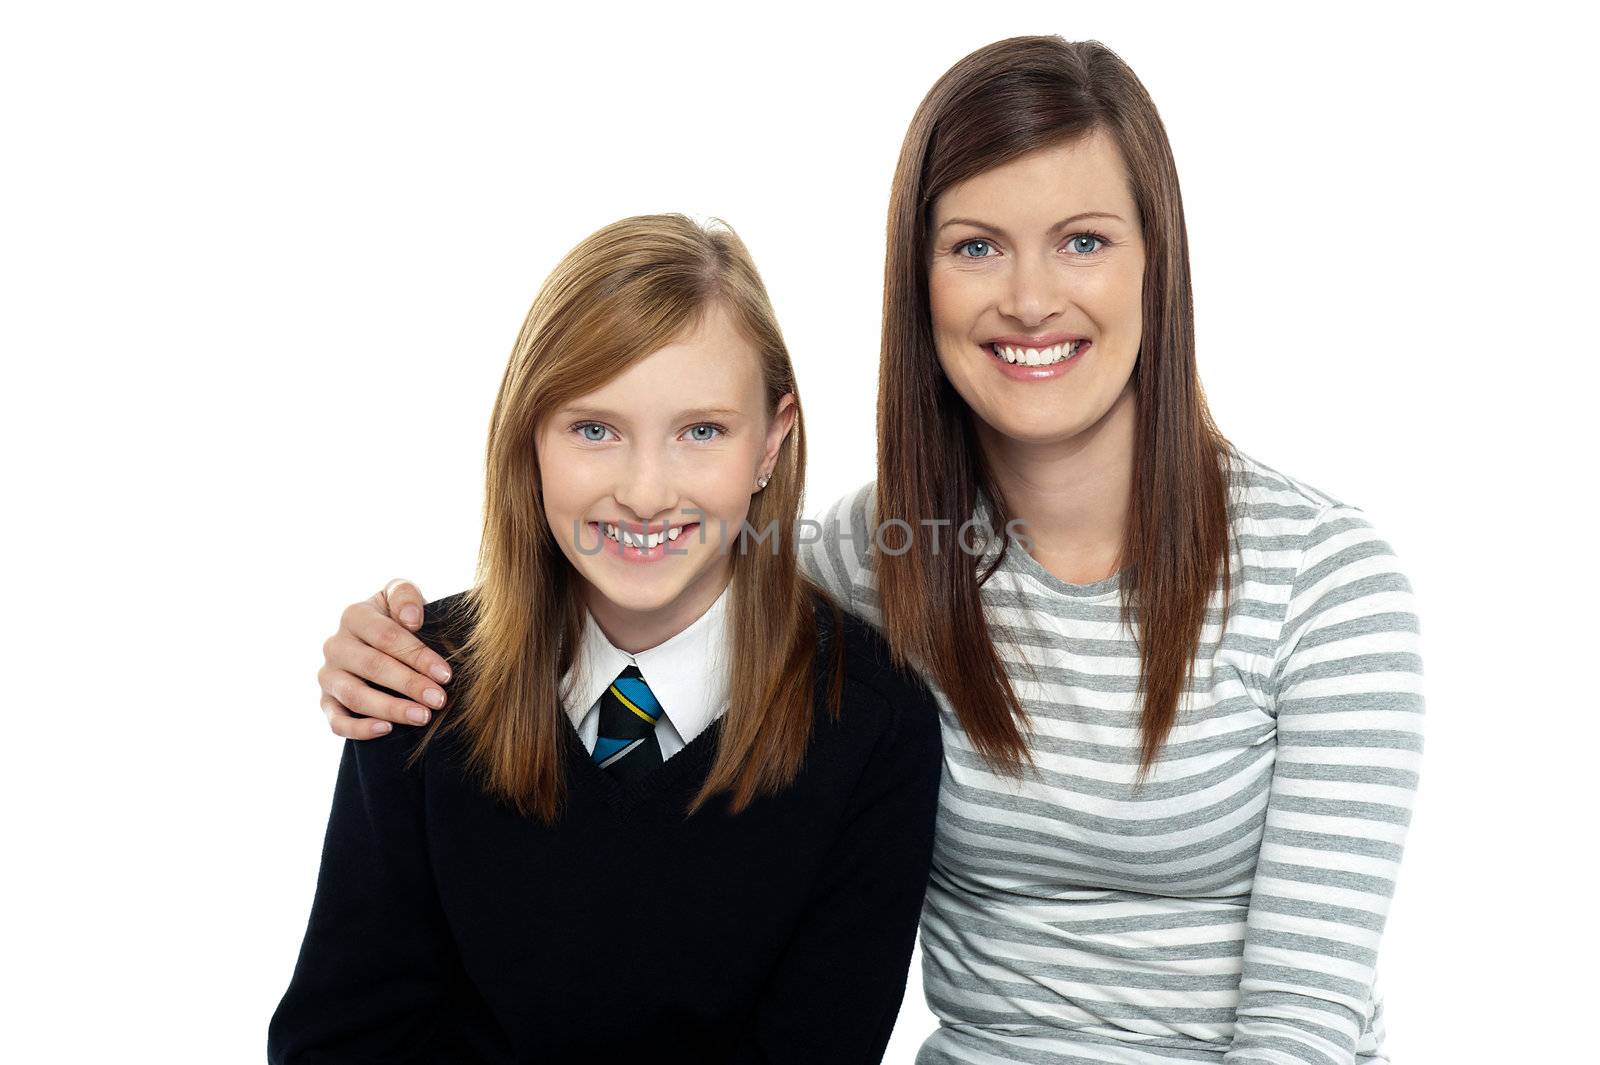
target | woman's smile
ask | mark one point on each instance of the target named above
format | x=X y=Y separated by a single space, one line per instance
x=1041 y=359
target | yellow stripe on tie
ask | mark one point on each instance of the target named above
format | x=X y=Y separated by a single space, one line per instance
x=623 y=699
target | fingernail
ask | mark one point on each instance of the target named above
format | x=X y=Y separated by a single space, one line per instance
x=380 y=727
x=410 y=615
x=418 y=715
x=440 y=674
x=433 y=697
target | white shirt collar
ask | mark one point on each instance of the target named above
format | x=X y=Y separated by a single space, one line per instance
x=688 y=672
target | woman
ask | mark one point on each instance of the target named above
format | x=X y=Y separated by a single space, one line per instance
x=683 y=809
x=1182 y=722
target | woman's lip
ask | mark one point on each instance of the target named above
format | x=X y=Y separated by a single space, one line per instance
x=1018 y=371
x=1049 y=340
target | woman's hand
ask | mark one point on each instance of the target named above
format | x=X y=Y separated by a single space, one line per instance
x=372 y=645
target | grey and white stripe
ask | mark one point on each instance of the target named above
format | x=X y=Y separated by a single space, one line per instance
x=1230 y=909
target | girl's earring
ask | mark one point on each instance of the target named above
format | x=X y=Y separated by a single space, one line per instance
x=761 y=482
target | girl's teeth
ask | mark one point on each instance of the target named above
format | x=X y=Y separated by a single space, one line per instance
x=642 y=541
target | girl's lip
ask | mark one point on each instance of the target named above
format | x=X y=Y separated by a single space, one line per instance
x=631 y=554
x=645 y=530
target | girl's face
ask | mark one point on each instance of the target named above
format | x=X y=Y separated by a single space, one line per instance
x=1034 y=284
x=671 y=448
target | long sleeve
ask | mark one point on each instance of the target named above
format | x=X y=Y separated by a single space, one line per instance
x=377 y=954
x=1347 y=678
x=837 y=989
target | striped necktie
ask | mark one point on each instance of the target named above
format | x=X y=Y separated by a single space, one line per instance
x=627 y=747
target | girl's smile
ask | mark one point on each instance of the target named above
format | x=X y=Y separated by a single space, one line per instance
x=634 y=544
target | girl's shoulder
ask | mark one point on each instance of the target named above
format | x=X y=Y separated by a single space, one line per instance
x=872 y=679
x=446 y=624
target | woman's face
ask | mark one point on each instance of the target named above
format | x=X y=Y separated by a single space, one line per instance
x=672 y=446
x=1032 y=257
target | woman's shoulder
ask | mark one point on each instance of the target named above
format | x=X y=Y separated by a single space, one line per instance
x=1309 y=548
x=1270 y=508
x=834 y=547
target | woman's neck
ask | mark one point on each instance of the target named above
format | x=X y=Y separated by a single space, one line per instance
x=1072 y=496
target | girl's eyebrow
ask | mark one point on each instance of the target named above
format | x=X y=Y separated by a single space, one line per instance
x=601 y=414
x=1080 y=216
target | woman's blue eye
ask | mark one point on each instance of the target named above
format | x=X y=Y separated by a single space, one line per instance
x=1091 y=237
x=973 y=243
x=711 y=428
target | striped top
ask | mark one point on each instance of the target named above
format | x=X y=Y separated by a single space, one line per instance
x=1229 y=911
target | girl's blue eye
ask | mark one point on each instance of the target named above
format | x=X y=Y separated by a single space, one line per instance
x=583 y=430
x=960 y=248
x=705 y=425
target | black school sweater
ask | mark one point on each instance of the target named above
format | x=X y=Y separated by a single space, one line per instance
x=446 y=928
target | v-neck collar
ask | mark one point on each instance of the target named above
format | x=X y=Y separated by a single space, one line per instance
x=659 y=790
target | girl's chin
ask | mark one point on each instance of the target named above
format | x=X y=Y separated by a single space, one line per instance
x=641 y=599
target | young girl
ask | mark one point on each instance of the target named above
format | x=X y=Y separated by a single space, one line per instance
x=1183 y=723
x=683 y=809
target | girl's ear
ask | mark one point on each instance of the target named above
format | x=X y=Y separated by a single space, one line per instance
x=778 y=429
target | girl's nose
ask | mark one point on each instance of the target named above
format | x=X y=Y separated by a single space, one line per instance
x=644 y=487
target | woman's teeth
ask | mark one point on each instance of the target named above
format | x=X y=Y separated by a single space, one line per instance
x=645 y=541
x=1036 y=356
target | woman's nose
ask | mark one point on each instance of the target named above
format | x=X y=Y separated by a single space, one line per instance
x=1031 y=294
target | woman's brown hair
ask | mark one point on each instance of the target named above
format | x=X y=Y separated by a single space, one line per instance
x=623 y=293
x=1000 y=102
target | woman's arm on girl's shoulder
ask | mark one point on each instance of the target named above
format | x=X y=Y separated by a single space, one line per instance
x=377 y=954
x=376 y=672
x=1348 y=694
x=833 y=546
x=838 y=987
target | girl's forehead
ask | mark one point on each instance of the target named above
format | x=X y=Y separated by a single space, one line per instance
x=705 y=371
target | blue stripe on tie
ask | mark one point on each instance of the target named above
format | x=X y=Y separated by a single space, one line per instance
x=604 y=748
x=639 y=694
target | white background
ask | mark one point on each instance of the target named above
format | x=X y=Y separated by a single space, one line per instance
x=263 y=265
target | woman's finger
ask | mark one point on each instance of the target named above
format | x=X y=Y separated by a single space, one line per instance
x=351 y=727
x=403 y=601
x=359 y=697
x=399 y=600
x=352 y=667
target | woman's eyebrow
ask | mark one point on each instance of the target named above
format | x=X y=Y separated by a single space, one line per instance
x=1080 y=216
